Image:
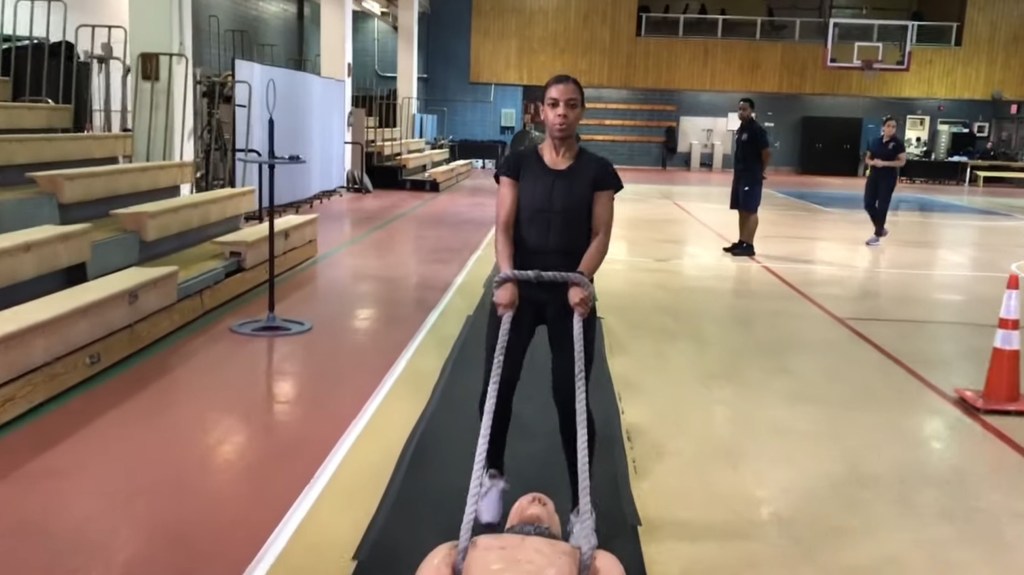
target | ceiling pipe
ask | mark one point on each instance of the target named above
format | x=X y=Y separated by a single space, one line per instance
x=376 y=52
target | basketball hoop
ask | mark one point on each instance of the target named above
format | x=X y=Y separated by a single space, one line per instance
x=870 y=71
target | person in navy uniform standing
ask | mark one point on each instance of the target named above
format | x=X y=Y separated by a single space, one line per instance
x=886 y=155
x=554 y=213
x=751 y=155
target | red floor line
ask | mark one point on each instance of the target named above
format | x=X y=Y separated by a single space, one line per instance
x=951 y=400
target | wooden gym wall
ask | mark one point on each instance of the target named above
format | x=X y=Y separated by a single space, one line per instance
x=525 y=42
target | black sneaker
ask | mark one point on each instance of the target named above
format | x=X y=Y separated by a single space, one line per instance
x=743 y=251
x=732 y=248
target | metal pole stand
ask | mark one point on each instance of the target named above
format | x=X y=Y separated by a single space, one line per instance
x=271 y=325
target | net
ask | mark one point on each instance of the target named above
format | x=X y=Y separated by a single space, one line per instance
x=870 y=71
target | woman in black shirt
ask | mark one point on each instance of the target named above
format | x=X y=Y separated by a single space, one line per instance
x=554 y=213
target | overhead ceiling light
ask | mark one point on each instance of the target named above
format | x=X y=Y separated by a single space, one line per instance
x=372 y=6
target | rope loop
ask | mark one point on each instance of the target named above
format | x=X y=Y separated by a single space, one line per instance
x=584 y=535
x=536 y=276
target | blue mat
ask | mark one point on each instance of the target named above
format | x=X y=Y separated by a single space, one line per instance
x=900 y=203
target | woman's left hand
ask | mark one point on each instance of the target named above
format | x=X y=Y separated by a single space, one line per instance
x=579 y=299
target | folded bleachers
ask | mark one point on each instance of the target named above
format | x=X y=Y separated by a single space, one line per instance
x=408 y=164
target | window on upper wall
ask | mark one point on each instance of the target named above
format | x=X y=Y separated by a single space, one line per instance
x=933 y=22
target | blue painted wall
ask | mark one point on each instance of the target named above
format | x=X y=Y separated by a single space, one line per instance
x=465 y=110
x=784 y=111
x=373 y=72
x=474 y=110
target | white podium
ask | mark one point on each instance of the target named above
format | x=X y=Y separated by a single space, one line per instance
x=695 y=148
x=717 y=151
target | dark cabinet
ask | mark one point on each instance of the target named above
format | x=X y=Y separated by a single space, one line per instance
x=830 y=146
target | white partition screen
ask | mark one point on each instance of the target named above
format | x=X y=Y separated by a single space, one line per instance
x=309 y=120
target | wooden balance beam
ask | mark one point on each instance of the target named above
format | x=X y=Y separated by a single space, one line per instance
x=36 y=149
x=33 y=252
x=88 y=184
x=251 y=245
x=163 y=218
x=982 y=174
x=19 y=116
x=34 y=333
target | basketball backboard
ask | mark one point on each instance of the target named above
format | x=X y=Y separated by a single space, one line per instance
x=884 y=42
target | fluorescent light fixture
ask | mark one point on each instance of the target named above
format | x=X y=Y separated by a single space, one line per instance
x=372 y=6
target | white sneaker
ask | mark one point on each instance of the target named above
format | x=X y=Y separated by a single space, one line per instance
x=491 y=506
x=873 y=241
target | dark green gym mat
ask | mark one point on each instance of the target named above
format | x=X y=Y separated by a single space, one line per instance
x=423 y=504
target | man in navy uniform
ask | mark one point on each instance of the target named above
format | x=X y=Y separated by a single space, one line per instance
x=751 y=155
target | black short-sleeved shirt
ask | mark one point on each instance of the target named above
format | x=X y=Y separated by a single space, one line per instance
x=553 y=221
x=751 y=140
x=887 y=151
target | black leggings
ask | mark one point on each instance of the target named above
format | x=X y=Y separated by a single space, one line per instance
x=550 y=308
x=877 y=196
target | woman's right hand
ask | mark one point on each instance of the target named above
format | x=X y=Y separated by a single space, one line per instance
x=506 y=298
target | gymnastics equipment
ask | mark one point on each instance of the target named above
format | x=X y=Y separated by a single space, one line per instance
x=1001 y=393
x=271 y=325
x=584 y=534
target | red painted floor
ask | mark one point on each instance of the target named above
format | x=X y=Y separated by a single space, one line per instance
x=186 y=461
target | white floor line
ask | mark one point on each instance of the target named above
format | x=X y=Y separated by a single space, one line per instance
x=745 y=262
x=272 y=549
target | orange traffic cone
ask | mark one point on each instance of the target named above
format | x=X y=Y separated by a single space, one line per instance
x=1002 y=386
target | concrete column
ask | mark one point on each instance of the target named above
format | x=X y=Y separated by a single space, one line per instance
x=336 y=55
x=161 y=128
x=408 y=69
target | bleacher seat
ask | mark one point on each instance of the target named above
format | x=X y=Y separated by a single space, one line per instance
x=160 y=219
x=426 y=158
x=37 y=332
x=79 y=185
x=42 y=149
x=251 y=245
x=33 y=252
x=21 y=116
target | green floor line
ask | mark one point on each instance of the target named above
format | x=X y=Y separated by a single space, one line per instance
x=200 y=323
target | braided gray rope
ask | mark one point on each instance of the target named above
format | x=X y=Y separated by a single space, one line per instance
x=584 y=535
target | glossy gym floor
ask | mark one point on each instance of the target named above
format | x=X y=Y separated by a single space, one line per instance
x=788 y=414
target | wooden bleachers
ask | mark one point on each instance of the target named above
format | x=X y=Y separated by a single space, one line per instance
x=622 y=138
x=448 y=175
x=33 y=252
x=79 y=185
x=194 y=262
x=36 y=149
x=34 y=333
x=163 y=218
x=382 y=134
x=100 y=258
x=18 y=116
x=641 y=107
x=426 y=158
x=628 y=123
x=398 y=147
x=251 y=245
